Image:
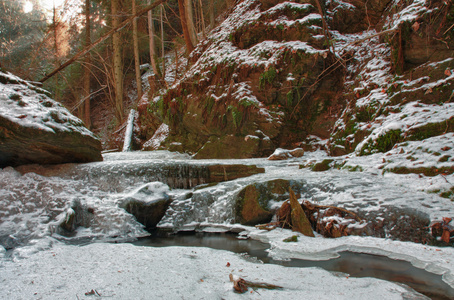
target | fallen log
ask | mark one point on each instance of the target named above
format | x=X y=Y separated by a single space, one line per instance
x=241 y=285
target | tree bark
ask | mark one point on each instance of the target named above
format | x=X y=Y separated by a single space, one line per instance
x=151 y=35
x=190 y=22
x=184 y=25
x=211 y=12
x=87 y=67
x=136 y=51
x=117 y=62
x=162 y=45
x=203 y=20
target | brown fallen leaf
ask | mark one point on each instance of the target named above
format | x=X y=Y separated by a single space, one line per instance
x=415 y=26
x=446 y=236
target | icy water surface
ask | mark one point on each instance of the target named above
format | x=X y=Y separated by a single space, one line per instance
x=349 y=263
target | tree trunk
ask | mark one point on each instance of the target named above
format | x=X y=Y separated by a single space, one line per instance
x=87 y=66
x=136 y=51
x=117 y=62
x=211 y=12
x=151 y=35
x=184 y=25
x=162 y=45
x=190 y=22
x=204 y=34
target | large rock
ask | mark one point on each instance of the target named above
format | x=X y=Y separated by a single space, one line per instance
x=148 y=203
x=36 y=129
x=257 y=203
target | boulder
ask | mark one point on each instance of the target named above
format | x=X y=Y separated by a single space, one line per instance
x=36 y=129
x=283 y=154
x=148 y=203
x=257 y=203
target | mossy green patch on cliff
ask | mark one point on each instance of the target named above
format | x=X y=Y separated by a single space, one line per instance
x=383 y=143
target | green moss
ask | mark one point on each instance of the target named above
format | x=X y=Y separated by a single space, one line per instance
x=289 y=99
x=322 y=166
x=353 y=168
x=383 y=143
x=293 y=238
x=209 y=103
x=365 y=114
x=267 y=77
x=444 y=158
x=246 y=102
x=237 y=116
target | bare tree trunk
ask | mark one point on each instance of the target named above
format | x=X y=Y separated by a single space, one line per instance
x=184 y=25
x=87 y=66
x=211 y=12
x=136 y=51
x=204 y=34
x=190 y=21
x=117 y=62
x=151 y=35
x=162 y=45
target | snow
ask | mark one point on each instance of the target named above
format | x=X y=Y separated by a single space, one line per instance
x=24 y=104
x=129 y=131
x=32 y=206
x=124 y=271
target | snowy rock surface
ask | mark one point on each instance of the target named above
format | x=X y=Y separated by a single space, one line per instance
x=36 y=129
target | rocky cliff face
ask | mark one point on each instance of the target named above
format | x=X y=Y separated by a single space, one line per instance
x=275 y=73
x=36 y=129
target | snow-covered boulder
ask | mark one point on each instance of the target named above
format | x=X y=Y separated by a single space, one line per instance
x=148 y=203
x=36 y=129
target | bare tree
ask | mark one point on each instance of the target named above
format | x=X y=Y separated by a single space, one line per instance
x=184 y=25
x=87 y=67
x=117 y=61
x=136 y=51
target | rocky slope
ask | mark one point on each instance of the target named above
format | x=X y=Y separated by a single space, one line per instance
x=271 y=77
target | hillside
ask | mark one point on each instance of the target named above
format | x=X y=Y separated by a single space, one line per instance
x=378 y=80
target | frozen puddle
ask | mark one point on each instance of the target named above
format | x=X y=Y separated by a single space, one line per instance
x=351 y=264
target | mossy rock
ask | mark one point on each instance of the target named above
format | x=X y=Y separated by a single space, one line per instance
x=232 y=146
x=249 y=210
x=324 y=165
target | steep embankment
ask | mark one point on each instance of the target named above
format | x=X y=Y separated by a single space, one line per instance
x=259 y=82
x=268 y=77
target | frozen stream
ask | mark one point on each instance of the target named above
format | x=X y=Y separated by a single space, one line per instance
x=34 y=200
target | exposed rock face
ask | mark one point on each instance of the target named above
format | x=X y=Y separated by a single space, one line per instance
x=148 y=203
x=259 y=82
x=254 y=204
x=36 y=129
x=409 y=70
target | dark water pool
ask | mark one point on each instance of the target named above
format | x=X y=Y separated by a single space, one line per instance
x=351 y=263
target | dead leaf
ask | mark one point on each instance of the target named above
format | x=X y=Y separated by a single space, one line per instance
x=448 y=72
x=446 y=236
x=415 y=26
x=428 y=91
x=228 y=264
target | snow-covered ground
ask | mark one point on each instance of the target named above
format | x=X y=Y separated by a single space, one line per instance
x=41 y=264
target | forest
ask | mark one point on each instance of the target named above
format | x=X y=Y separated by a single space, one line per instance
x=104 y=49
x=250 y=148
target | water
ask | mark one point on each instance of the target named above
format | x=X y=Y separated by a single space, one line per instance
x=348 y=263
